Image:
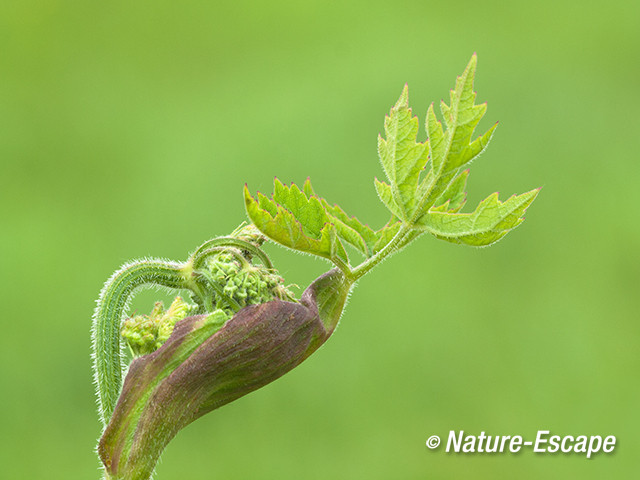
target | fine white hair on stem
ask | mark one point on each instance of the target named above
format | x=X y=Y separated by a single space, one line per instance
x=111 y=307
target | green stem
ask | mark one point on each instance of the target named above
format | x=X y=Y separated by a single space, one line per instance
x=344 y=267
x=405 y=235
x=388 y=249
x=202 y=256
x=108 y=315
x=231 y=242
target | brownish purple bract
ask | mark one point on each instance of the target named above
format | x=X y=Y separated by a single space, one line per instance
x=187 y=377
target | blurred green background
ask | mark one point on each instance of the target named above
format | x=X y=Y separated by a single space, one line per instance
x=128 y=129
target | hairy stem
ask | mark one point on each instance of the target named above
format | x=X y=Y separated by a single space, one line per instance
x=388 y=249
x=344 y=267
x=406 y=234
x=231 y=242
x=108 y=315
x=202 y=256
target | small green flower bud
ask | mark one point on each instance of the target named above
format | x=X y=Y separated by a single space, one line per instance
x=146 y=333
x=244 y=283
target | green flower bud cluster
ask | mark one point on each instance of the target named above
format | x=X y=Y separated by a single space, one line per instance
x=244 y=283
x=233 y=282
x=146 y=333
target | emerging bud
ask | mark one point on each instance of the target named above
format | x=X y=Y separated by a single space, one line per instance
x=244 y=283
x=146 y=333
x=204 y=365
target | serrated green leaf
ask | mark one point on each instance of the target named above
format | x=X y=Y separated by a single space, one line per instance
x=454 y=194
x=386 y=234
x=295 y=221
x=491 y=220
x=476 y=147
x=452 y=148
x=440 y=208
x=351 y=236
x=299 y=219
x=386 y=196
x=267 y=205
x=437 y=140
x=308 y=189
x=349 y=228
x=308 y=211
x=402 y=157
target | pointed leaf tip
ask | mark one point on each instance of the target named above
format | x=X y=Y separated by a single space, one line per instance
x=403 y=101
x=491 y=220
